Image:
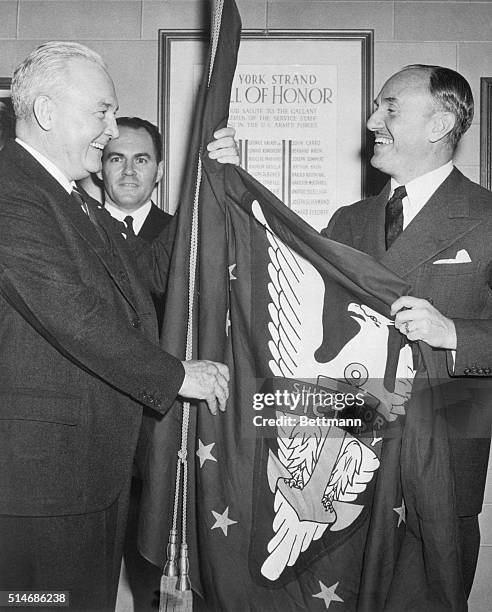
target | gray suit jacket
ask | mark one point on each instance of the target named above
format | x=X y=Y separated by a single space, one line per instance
x=458 y=216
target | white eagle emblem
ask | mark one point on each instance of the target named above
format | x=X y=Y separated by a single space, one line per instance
x=318 y=472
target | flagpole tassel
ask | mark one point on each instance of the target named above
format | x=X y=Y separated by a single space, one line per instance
x=172 y=599
x=171 y=568
x=183 y=581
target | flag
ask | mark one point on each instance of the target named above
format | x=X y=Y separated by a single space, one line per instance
x=297 y=497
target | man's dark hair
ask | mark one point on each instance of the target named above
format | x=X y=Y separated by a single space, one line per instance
x=452 y=93
x=136 y=123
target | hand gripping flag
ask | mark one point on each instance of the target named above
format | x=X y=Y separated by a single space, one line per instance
x=294 y=498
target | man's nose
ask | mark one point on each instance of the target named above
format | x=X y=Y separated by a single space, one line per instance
x=111 y=126
x=375 y=121
x=129 y=168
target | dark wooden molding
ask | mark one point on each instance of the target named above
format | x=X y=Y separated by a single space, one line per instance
x=486 y=132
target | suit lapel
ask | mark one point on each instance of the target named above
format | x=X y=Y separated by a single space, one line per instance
x=372 y=239
x=442 y=221
x=68 y=211
x=102 y=241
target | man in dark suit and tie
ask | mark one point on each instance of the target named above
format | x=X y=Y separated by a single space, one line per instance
x=433 y=227
x=79 y=353
x=132 y=167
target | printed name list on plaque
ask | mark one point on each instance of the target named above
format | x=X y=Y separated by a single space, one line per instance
x=285 y=121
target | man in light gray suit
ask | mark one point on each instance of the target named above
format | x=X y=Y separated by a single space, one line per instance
x=433 y=227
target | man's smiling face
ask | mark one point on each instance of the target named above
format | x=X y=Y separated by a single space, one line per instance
x=130 y=169
x=402 y=124
x=83 y=119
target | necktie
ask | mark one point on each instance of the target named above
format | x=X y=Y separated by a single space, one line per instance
x=79 y=198
x=82 y=202
x=129 y=226
x=393 y=225
x=90 y=212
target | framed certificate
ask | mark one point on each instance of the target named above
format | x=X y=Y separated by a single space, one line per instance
x=299 y=103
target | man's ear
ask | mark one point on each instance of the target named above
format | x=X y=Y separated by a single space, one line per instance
x=442 y=124
x=44 y=112
x=160 y=172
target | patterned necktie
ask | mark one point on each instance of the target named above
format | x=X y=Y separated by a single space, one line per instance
x=393 y=224
x=79 y=198
x=89 y=210
x=129 y=226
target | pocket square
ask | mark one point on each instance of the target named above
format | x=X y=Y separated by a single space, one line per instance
x=461 y=257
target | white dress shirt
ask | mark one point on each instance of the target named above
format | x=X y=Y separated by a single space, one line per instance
x=48 y=165
x=420 y=190
x=138 y=215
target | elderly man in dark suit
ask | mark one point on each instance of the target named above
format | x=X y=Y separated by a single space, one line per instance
x=79 y=353
x=433 y=227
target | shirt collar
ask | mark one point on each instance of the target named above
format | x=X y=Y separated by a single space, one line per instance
x=420 y=190
x=138 y=215
x=49 y=166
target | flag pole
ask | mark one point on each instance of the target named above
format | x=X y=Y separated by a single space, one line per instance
x=175 y=588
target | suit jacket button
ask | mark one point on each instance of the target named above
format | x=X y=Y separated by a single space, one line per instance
x=135 y=322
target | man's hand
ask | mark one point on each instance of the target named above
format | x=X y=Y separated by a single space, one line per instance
x=417 y=319
x=224 y=148
x=206 y=380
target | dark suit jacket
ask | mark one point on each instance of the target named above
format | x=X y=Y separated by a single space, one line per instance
x=154 y=223
x=458 y=216
x=79 y=353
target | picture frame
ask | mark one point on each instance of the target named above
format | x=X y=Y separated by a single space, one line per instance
x=299 y=103
x=7 y=119
x=5 y=86
x=486 y=132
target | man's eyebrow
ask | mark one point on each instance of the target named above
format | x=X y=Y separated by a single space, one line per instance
x=148 y=155
x=106 y=105
x=390 y=99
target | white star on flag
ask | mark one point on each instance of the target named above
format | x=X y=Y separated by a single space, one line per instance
x=402 y=513
x=231 y=272
x=327 y=594
x=204 y=452
x=222 y=520
x=375 y=439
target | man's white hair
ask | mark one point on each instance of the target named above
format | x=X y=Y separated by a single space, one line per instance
x=43 y=73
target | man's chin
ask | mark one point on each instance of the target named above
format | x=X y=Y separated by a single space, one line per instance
x=128 y=203
x=377 y=161
x=92 y=168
